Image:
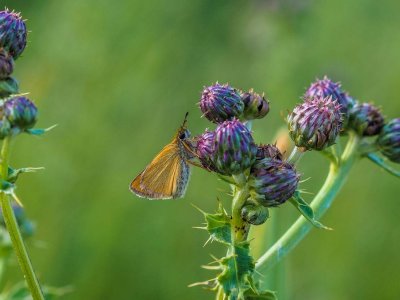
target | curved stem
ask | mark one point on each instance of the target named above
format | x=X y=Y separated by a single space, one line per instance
x=336 y=178
x=13 y=229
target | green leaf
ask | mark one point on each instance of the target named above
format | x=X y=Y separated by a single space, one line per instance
x=218 y=225
x=14 y=173
x=40 y=131
x=306 y=210
x=8 y=86
x=238 y=268
x=264 y=295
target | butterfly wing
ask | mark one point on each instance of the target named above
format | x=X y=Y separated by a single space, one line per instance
x=165 y=177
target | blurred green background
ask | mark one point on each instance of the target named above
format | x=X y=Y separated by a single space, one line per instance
x=118 y=78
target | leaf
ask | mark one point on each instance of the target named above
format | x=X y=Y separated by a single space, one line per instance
x=40 y=131
x=218 y=225
x=306 y=210
x=14 y=173
x=264 y=295
x=238 y=268
x=8 y=86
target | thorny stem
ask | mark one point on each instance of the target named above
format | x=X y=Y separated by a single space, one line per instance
x=13 y=229
x=336 y=178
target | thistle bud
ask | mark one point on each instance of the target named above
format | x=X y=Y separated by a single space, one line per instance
x=12 y=33
x=5 y=128
x=366 y=119
x=6 y=64
x=272 y=181
x=268 y=151
x=327 y=88
x=235 y=150
x=221 y=102
x=8 y=86
x=254 y=214
x=255 y=105
x=315 y=124
x=20 y=112
x=389 y=140
x=206 y=149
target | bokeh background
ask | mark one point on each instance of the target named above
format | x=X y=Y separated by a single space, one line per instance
x=118 y=79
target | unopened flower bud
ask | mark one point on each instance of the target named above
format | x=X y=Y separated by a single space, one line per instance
x=255 y=105
x=366 y=119
x=206 y=149
x=389 y=140
x=6 y=64
x=221 y=102
x=254 y=214
x=327 y=88
x=268 y=151
x=20 y=112
x=272 y=181
x=235 y=150
x=12 y=33
x=315 y=124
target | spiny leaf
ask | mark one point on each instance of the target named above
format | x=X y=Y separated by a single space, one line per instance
x=40 y=131
x=306 y=210
x=238 y=268
x=218 y=225
x=14 y=173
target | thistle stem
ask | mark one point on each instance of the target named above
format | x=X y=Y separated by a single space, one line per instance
x=13 y=229
x=295 y=156
x=336 y=178
x=241 y=193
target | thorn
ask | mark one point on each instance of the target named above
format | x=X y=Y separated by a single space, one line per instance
x=17 y=199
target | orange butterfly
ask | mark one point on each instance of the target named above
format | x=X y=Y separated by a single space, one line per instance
x=167 y=176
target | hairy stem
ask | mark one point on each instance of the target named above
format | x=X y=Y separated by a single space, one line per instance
x=336 y=178
x=13 y=229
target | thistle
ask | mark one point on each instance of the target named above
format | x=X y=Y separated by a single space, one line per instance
x=388 y=141
x=255 y=105
x=235 y=150
x=205 y=149
x=6 y=64
x=12 y=33
x=366 y=119
x=315 y=124
x=220 y=103
x=20 y=112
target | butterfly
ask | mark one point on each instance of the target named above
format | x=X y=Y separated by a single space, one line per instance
x=167 y=175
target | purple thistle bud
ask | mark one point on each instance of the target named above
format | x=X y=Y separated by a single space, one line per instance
x=366 y=119
x=6 y=64
x=255 y=105
x=268 y=151
x=221 y=102
x=315 y=124
x=272 y=181
x=254 y=214
x=235 y=150
x=327 y=88
x=389 y=140
x=20 y=112
x=12 y=33
x=206 y=149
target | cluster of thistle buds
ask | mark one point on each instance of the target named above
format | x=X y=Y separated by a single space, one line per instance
x=230 y=150
x=17 y=113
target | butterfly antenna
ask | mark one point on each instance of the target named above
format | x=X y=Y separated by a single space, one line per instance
x=185 y=120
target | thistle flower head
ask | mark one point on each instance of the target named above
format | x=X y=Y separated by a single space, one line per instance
x=272 y=181
x=366 y=119
x=20 y=112
x=316 y=123
x=6 y=64
x=255 y=105
x=254 y=214
x=327 y=88
x=221 y=102
x=12 y=33
x=206 y=149
x=268 y=151
x=235 y=150
x=389 y=140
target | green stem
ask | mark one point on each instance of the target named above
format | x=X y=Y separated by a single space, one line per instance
x=336 y=178
x=13 y=229
x=240 y=229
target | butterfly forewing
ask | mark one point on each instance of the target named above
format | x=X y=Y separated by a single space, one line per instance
x=165 y=177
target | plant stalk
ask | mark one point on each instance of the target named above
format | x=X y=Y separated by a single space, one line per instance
x=13 y=229
x=336 y=178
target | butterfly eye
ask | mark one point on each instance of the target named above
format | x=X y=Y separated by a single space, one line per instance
x=184 y=135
